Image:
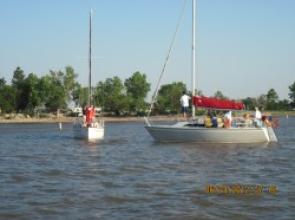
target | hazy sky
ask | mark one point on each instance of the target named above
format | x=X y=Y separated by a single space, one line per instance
x=244 y=47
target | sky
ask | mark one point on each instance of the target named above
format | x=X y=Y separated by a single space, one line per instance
x=243 y=47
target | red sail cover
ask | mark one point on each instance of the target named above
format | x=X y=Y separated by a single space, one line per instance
x=209 y=102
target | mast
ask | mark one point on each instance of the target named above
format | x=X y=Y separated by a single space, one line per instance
x=89 y=83
x=193 y=56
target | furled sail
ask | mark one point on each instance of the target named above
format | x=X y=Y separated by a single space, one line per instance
x=215 y=103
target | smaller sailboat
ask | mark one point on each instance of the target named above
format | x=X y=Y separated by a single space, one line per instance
x=87 y=127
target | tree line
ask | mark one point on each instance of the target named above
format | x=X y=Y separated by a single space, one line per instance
x=168 y=100
x=56 y=89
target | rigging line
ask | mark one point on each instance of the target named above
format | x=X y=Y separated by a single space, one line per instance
x=154 y=97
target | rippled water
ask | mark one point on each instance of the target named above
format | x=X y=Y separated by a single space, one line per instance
x=46 y=174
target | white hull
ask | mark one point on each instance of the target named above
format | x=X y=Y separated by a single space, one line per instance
x=182 y=133
x=88 y=133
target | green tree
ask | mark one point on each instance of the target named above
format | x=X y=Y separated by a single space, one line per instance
x=18 y=77
x=283 y=105
x=262 y=101
x=80 y=95
x=137 y=88
x=218 y=94
x=169 y=97
x=18 y=84
x=2 y=82
x=55 y=93
x=59 y=88
x=250 y=103
x=7 y=97
x=44 y=88
x=292 y=94
x=111 y=95
x=271 y=100
x=69 y=81
x=33 y=92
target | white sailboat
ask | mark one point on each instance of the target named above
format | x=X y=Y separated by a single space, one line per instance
x=194 y=133
x=87 y=127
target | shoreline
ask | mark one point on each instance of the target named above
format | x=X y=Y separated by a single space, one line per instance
x=64 y=119
x=72 y=119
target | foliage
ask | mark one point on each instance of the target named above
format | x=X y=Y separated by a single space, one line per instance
x=272 y=100
x=137 y=88
x=7 y=97
x=284 y=105
x=18 y=84
x=33 y=90
x=169 y=96
x=52 y=90
x=250 y=103
x=2 y=82
x=219 y=94
x=55 y=89
x=292 y=94
x=112 y=95
x=18 y=77
x=56 y=95
x=80 y=95
x=58 y=88
x=69 y=81
x=262 y=101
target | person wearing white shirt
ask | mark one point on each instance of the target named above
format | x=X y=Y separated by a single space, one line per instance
x=257 y=113
x=227 y=119
x=258 y=117
x=184 y=101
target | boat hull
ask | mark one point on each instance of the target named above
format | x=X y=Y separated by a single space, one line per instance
x=166 y=133
x=88 y=133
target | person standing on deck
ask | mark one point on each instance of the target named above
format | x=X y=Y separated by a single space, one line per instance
x=227 y=119
x=184 y=101
x=258 y=117
x=90 y=113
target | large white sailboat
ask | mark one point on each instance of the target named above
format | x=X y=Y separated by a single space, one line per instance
x=87 y=127
x=195 y=132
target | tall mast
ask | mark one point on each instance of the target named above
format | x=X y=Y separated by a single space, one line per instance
x=193 y=56
x=89 y=85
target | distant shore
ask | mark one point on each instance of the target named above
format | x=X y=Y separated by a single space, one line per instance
x=72 y=119
x=63 y=119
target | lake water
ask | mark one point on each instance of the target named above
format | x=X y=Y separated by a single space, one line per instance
x=46 y=174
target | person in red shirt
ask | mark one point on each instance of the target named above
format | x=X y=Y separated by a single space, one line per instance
x=89 y=112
